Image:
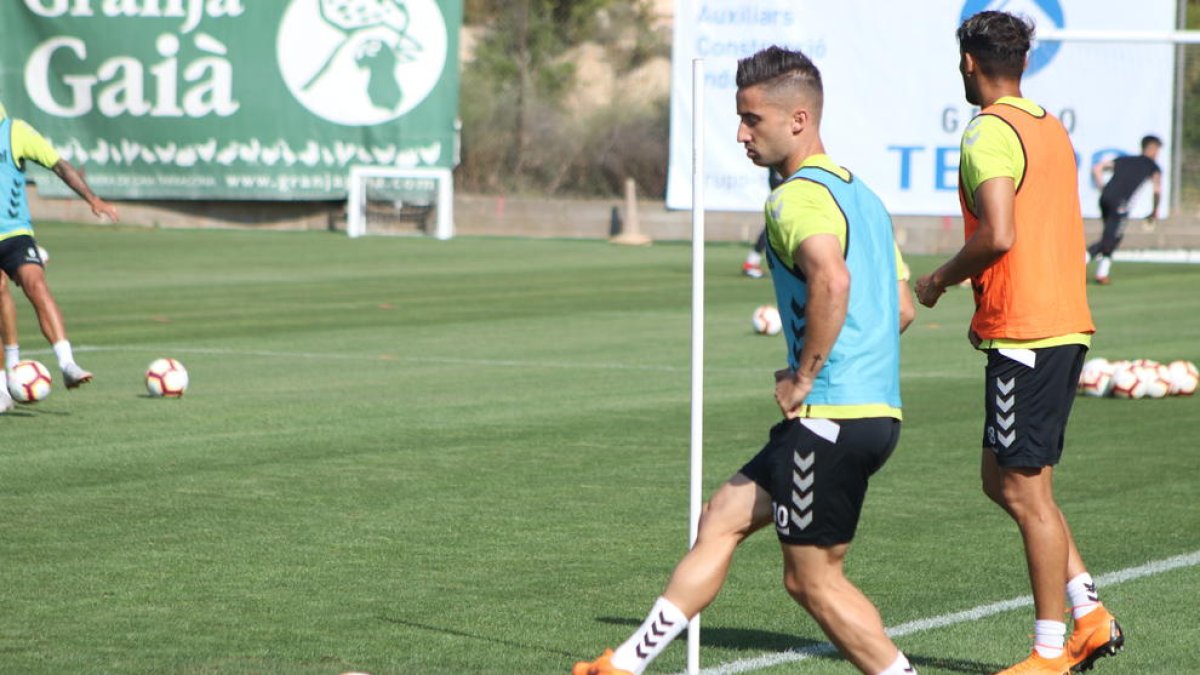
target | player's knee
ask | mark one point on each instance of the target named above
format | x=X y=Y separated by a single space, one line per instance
x=812 y=593
x=994 y=492
x=717 y=520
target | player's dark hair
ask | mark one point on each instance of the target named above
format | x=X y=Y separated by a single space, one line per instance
x=777 y=67
x=998 y=41
x=1149 y=140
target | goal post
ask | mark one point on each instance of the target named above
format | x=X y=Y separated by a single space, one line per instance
x=394 y=200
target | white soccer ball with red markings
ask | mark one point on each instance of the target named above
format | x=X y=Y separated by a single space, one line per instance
x=29 y=381
x=1183 y=376
x=1096 y=378
x=1126 y=383
x=166 y=378
x=1157 y=379
x=766 y=320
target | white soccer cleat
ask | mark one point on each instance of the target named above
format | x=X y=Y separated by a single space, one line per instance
x=73 y=375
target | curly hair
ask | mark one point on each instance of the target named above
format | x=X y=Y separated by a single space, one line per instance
x=998 y=41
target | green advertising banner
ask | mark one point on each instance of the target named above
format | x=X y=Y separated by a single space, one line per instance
x=233 y=99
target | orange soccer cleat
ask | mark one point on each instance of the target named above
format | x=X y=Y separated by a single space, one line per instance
x=1036 y=663
x=601 y=666
x=1095 y=636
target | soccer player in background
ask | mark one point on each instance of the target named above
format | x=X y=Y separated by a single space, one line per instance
x=1128 y=175
x=19 y=257
x=1024 y=254
x=843 y=311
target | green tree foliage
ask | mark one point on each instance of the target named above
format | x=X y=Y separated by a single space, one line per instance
x=1190 y=136
x=518 y=133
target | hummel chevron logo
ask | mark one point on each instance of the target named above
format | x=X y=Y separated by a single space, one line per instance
x=1007 y=439
x=1091 y=592
x=802 y=502
x=1005 y=404
x=1006 y=422
x=802 y=481
x=655 y=630
x=805 y=463
x=1005 y=387
x=805 y=520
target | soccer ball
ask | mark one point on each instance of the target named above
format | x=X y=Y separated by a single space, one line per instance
x=1126 y=383
x=166 y=378
x=29 y=381
x=1157 y=378
x=1183 y=377
x=766 y=320
x=1096 y=378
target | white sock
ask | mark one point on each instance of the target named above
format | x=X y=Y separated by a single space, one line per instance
x=1082 y=592
x=664 y=624
x=754 y=257
x=900 y=666
x=62 y=349
x=1103 y=267
x=1049 y=638
x=12 y=354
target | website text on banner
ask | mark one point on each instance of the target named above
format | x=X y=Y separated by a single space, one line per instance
x=234 y=99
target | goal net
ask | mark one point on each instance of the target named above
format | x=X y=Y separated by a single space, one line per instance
x=391 y=200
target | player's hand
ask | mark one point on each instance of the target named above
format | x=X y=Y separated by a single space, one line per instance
x=928 y=291
x=974 y=338
x=791 y=389
x=105 y=211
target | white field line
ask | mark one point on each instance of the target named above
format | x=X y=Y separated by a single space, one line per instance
x=975 y=613
x=964 y=373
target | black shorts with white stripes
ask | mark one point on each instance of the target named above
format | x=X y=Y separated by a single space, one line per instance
x=17 y=251
x=1028 y=395
x=816 y=471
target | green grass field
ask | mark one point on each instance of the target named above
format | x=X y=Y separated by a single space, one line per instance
x=411 y=456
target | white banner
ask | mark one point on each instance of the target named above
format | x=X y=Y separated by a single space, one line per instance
x=894 y=106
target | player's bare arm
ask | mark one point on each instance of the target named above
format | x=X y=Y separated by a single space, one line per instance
x=994 y=200
x=820 y=258
x=1098 y=170
x=74 y=180
x=908 y=308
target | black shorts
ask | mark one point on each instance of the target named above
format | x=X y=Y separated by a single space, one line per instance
x=18 y=251
x=1027 y=398
x=816 y=471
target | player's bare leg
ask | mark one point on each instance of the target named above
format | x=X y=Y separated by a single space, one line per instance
x=8 y=335
x=738 y=508
x=814 y=576
x=33 y=282
x=1027 y=495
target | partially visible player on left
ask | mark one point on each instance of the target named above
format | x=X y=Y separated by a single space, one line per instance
x=20 y=259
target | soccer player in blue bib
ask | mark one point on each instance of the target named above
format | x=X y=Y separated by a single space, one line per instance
x=835 y=266
x=19 y=256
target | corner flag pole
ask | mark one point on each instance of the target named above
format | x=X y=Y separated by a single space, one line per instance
x=697 y=454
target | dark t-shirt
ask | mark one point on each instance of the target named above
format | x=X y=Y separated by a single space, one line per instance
x=1128 y=174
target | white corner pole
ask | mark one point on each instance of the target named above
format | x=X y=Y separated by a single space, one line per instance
x=697 y=454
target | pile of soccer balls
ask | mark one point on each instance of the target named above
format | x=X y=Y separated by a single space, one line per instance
x=1140 y=378
x=30 y=382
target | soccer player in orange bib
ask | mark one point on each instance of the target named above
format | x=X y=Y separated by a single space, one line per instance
x=1024 y=254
